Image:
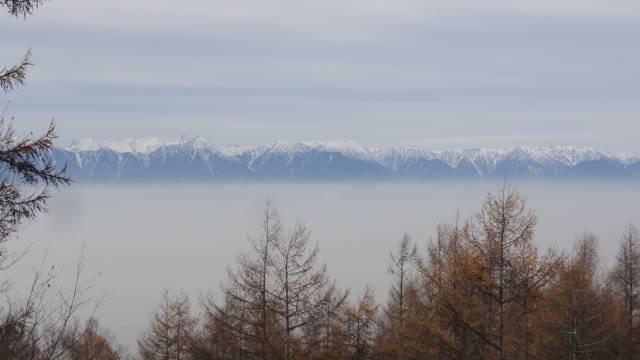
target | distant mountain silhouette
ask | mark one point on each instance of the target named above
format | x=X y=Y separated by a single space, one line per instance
x=193 y=159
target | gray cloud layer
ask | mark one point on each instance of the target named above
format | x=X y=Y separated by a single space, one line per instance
x=430 y=73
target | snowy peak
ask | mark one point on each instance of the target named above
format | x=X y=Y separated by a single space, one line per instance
x=566 y=154
x=137 y=146
x=192 y=157
x=290 y=149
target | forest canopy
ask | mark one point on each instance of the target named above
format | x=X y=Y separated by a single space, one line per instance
x=480 y=289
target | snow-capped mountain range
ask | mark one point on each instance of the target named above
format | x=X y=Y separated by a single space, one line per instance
x=193 y=158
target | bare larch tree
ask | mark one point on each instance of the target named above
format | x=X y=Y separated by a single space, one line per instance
x=172 y=328
x=300 y=286
x=625 y=279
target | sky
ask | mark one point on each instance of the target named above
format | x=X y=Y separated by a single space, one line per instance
x=433 y=74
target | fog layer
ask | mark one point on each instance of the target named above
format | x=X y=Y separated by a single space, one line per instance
x=140 y=239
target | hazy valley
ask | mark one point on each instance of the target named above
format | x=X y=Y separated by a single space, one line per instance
x=143 y=238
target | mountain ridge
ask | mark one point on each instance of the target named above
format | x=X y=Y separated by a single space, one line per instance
x=193 y=158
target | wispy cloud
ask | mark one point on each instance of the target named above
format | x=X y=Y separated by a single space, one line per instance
x=377 y=71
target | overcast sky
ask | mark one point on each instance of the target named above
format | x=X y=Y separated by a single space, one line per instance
x=435 y=74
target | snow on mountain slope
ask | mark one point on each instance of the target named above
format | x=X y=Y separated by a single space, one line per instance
x=187 y=157
x=136 y=146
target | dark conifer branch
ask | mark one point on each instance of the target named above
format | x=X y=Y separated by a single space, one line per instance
x=29 y=158
x=21 y=8
x=14 y=76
